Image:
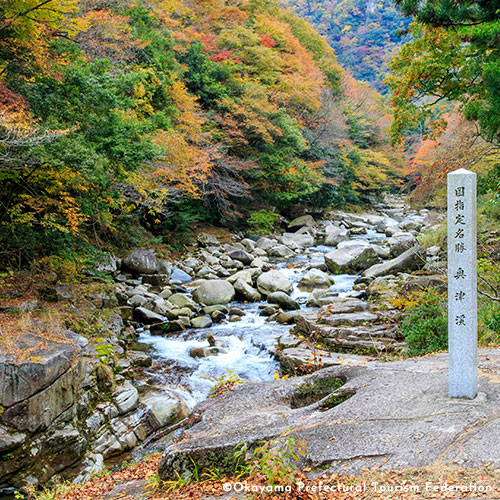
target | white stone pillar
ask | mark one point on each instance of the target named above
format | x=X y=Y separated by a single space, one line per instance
x=462 y=284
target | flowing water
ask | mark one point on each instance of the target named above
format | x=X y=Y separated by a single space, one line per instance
x=247 y=342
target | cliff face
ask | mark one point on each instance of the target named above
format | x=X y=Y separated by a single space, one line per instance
x=57 y=417
x=363 y=33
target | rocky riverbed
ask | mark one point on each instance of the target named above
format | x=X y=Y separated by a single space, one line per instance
x=313 y=296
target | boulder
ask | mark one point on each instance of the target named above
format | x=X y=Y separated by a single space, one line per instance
x=261 y=264
x=265 y=243
x=161 y=306
x=304 y=220
x=273 y=281
x=141 y=261
x=164 y=267
x=334 y=235
x=300 y=240
x=201 y=322
x=280 y=251
x=388 y=226
x=403 y=401
x=248 y=243
x=410 y=260
x=315 y=278
x=39 y=411
x=50 y=360
x=138 y=301
x=242 y=256
x=400 y=242
x=248 y=275
x=352 y=259
x=246 y=291
x=283 y=300
x=183 y=312
x=147 y=317
x=382 y=252
x=180 y=276
x=182 y=300
x=125 y=398
x=163 y=406
x=214 y=292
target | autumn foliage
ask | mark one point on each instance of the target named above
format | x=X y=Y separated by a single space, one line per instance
x=160 y=113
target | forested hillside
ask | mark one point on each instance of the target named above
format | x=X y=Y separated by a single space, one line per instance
x=445 y=90
x=122 y=116
x=365 y=34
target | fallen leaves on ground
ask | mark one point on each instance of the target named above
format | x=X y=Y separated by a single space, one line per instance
x=432 y=482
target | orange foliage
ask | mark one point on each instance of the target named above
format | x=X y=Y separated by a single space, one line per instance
x=109 y=35
x=267 y=41
x=458 y=147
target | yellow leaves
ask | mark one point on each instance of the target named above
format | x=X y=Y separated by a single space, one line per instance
x=276 y=376
x=181 y=169
x=372 y=170
x=190 y=120
x=30 y=24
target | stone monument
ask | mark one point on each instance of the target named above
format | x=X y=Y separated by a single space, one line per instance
x=462 y=284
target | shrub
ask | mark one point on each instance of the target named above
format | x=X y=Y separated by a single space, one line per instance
x=277 y=462
x=435 y=237
x=425 y=326
x=262 y=221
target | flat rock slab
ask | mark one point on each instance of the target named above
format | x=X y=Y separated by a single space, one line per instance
x=45 y=362
x=296 y=357
x=399 y=416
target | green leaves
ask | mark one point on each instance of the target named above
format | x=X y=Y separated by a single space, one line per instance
x=453 y=57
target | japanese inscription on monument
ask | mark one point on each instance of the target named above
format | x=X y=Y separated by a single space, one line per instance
x=462 y=285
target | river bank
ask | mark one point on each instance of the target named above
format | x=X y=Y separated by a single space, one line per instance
x=313 y=296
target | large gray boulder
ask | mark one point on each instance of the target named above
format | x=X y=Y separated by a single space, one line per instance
x=273 y=281
x=214 y=292
x=303 y=221
x=265 y=243
x=403 y=401
x=299 y=240
x=26 y=377
x=147 y=317
x=334 y=235
x=242 y=256
x=388 y=226
x=141 y=261
x=315 y=278
x=400 y=242
x=352 y=259
x=37 y=390
x=246 y=291
x=280 y=251
x=411 y=260
x=283 y=300
x=180 y=276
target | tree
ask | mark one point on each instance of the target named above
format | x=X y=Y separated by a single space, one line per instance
x=27 y=28
x=454 y=56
